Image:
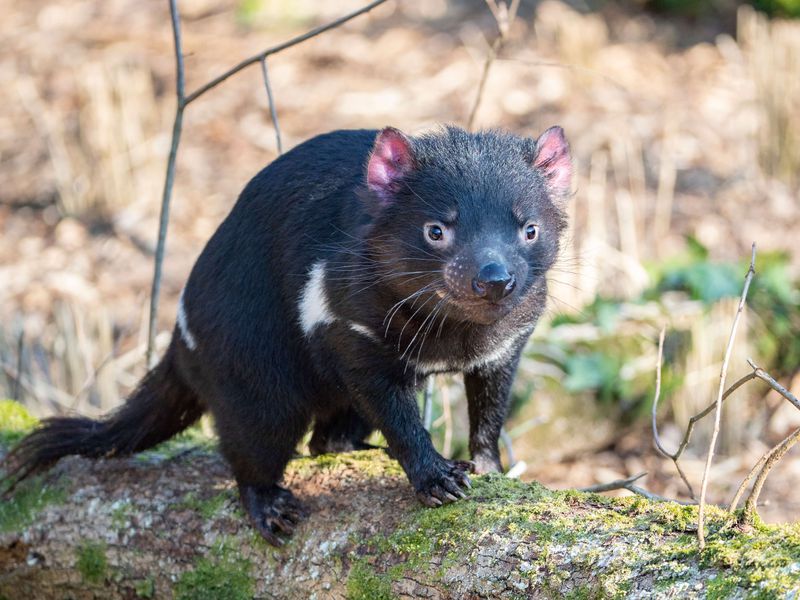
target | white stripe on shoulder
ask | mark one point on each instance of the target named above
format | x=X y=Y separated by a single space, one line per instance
x=183 y=325
x=364 y=330
x=313 y=303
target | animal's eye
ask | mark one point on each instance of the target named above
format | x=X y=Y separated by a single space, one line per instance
x=435 y=232
x=530 y=232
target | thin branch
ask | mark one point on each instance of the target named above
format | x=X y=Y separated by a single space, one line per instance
x=487 y=65
x=749 y=477
x=182 y=102
x=655 y=497
x=506 y=439
x=718 y=407
x=272 y=110
x=675 y=456
x=447 y=415
x=504 y=15
x=770 y=381
x=656 y=438
x=617 y=484
x=169 y=180
x=628 y=484
x=770 y=461
x=427 y=403
x=17 y=395
x=278 y=48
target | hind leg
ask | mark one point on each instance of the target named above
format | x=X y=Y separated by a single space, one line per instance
x=258 y=444
x=341 y=431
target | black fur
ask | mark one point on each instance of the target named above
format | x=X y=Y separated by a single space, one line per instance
x=401 y=306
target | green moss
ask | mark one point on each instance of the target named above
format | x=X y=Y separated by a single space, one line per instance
x=581 y=593
x=145 y=588
x=364 y=583
x=92 y=563
x=572 y=532
x=373 y=463
x=192 y=440
x=15 y=422
x=720 y=588
x=206 y=507
x=29 y=498
x=765 y=559
x=225 y=575
x=120 y=512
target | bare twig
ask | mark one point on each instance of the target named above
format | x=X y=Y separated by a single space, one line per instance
x=718 y=406
x=272 y=110
x=655 y=497
x=767 y=378
x=17 y=395
x=487 y=65
x=764 y=464
x=279 y=48
x=504 y=14
x=628 y=484
x=427 y=402
x=506 y=439
x=617 y=484
x=169 y=180
x=183 y=100
x=687 y=436
x=659 y=446
x=771 y=457
x=748 y=478
x=770 y=460
x=447 y=415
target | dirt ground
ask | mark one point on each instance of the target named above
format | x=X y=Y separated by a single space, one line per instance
x=678 y=128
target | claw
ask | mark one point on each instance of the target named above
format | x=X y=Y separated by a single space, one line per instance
x=428 y=500
x=283 y=525
x=273 y=511
x=270 y=537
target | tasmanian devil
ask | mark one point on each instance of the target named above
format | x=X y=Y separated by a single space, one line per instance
x=349 y=270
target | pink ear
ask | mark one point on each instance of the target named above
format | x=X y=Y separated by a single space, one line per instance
x=391 y=160
x=554 y=162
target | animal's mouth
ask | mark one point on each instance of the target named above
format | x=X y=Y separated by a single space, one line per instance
x=482 y=311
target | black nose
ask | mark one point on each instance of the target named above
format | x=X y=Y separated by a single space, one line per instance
x=493 y=282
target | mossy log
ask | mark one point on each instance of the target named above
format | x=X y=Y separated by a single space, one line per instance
x=167 y=524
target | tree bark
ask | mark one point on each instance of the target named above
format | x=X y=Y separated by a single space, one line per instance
x=167 y=524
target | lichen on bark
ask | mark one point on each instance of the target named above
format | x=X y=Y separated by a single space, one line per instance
x=167 y=524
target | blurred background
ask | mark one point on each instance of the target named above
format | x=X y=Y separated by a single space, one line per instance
x=683 y=120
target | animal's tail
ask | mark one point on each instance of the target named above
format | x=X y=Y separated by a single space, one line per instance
x=161 y=406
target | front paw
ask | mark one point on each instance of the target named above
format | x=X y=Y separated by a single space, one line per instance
x=446 y=483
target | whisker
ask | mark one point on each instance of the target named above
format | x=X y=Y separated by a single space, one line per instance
x=396 y=307
x=411 y=318
x=436 y=310
x=374 y=283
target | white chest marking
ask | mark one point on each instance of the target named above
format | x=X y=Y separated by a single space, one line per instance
x=498 y=353
x=313 y=303
x=183 y=325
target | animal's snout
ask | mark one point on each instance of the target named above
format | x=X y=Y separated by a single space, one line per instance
x=493 y=282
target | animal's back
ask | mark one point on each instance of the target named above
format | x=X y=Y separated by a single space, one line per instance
x=299 y=208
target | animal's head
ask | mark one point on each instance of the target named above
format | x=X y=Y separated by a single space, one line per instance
x=471 y=219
